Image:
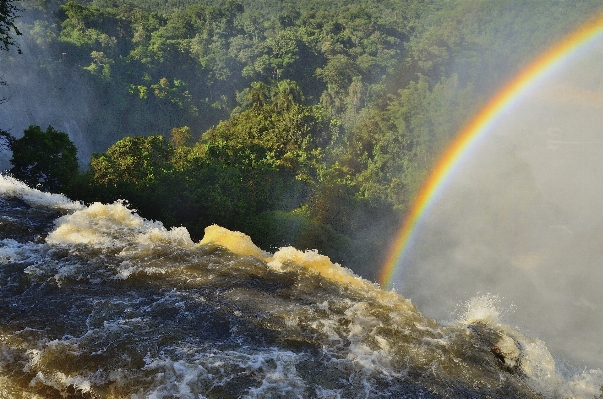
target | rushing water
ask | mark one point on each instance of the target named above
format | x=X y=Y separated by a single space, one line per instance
x=97 y=302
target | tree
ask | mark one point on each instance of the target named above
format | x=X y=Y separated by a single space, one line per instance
x=43 y=159
x=8 y=14
x=133 y=160
x=180 y=136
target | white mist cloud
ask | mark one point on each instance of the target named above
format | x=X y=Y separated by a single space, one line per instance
x=523 y=219
x=41 y=91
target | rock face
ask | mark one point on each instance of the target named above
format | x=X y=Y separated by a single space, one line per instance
x=100 y=303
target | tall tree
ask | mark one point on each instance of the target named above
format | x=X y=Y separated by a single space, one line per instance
x=44 y=159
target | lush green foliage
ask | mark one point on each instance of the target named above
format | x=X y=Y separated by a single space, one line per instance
x=310 y=123
x=43 y=159
x=249 y=173
x=184 y=63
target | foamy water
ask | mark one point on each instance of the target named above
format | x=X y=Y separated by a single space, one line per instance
x=98 y=302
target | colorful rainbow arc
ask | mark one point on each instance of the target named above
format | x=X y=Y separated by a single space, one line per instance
x=481 y=124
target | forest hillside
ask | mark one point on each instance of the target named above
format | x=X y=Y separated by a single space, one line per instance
x=309 y=123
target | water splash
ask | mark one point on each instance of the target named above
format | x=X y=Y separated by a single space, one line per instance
x=108 y=304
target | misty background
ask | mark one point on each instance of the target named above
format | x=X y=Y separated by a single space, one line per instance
x=43 y=90
x=522 y=219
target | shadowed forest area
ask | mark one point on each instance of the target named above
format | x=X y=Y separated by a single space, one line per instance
x=307 y=123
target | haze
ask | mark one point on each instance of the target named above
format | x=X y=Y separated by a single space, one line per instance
x=522 y=219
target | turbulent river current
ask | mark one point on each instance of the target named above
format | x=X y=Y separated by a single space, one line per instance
x=97 y=302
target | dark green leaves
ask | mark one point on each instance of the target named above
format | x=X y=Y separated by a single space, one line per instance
x=44 y=159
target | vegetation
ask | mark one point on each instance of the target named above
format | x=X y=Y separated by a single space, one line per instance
x=306 y=123
x=43 y=159
x=8 y=29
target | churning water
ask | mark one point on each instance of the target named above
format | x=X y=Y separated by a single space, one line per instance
x=97 y=302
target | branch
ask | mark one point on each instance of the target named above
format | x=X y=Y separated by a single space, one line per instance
x=6 y=140
x=8 y=14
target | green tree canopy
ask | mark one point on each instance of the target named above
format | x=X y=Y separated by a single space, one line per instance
x=135 y=160
x=43 y=159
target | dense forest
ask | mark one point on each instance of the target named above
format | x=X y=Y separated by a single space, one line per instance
x=307 y=123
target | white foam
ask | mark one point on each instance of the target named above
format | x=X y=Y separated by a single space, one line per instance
x=175 y=379
x=273 y=369
x=531 y=355
x=12 y=251
x=234 y=241
x=366 y=348
x=114 y=226
x=280 y=379
x=11 y=187
x=60 y=381
x=289 y=257
x=483 y=308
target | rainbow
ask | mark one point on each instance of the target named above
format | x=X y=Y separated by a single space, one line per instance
x=542 y=67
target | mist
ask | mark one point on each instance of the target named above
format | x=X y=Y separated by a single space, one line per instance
x=43 y=91
x=521 y=220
